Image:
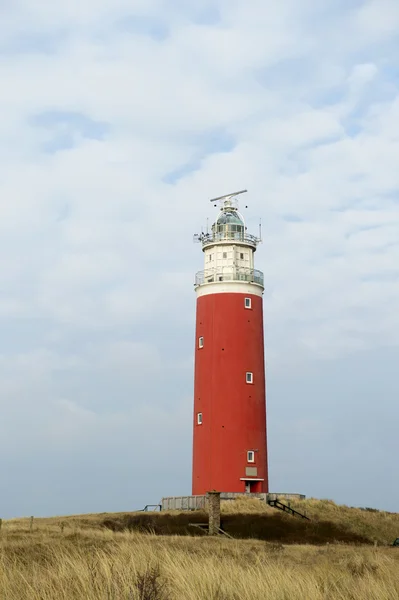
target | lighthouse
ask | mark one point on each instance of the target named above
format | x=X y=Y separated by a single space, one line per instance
x=229 y=437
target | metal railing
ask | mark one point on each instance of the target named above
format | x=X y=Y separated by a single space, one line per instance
x=229 y=236
x=154 y=507
x=238 y=274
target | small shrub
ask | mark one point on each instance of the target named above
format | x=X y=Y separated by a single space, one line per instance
x=150 y=585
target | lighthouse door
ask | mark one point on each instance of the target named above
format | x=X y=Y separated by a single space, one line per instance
x=247 y=487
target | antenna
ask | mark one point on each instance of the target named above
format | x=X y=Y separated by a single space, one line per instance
x=260 y=229
x=228 y=196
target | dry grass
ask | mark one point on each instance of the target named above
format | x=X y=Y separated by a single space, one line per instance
x=81 y=557
x=376 y=525
x=248 y=518
x=245 y=505
x=93 y=564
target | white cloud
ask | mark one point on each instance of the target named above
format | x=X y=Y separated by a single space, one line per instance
x=378 y=19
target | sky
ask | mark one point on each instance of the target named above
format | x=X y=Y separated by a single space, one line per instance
x=119 y=120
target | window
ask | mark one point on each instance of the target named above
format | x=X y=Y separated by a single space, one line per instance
x=249 y=377
x=210 y=257
x=242 y=256
x=251 y=456
x=224 y=254
x=199 y=419
x=200 y=342
x=247 y=302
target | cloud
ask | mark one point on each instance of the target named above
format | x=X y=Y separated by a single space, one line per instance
x=65 y=129
x=118 y=122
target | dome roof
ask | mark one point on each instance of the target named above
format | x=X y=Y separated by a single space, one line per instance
x=229 y=218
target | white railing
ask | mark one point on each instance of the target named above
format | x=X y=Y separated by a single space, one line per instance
x=229 y=236
x=238 y=274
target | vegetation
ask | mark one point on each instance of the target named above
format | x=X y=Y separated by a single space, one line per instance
x=375 y=525
x=368 y=523
x=94 y=564
x=83 y=557
x=250 y=518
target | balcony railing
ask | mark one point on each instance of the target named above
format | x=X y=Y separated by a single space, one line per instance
x=229 y=236
x=238 y=274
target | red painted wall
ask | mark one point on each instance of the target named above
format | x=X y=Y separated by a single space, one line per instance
x=233 y=411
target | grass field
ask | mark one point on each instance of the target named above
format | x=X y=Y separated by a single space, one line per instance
x=80 y=558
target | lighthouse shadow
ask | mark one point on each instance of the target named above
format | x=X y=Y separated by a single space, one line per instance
x=272 y=527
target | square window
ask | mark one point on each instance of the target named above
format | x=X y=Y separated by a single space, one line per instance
x=242 y=256
x=224 y=254
x=247 y=302
x=249 y=377
x=199 y=418
x=251 y=456
x=200 y=342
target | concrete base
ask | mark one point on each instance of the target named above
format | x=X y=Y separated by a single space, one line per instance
x=199 y=502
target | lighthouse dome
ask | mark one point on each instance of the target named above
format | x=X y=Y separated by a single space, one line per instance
x=229 y=218
x=229 y=225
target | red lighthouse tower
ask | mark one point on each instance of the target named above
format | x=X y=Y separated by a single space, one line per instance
x=229 y=449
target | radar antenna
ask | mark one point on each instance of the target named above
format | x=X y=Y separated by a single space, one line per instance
x=227 y=197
